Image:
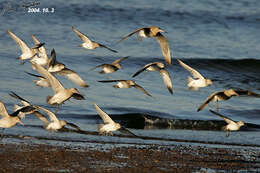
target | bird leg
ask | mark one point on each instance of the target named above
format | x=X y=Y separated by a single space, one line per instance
x=227 y=133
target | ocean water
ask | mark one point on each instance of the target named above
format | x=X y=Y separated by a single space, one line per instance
x=218 y=38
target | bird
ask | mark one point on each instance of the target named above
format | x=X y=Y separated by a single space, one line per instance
x=25 y=103
x=153 y=31
x=158 y=66
x=198 y=81
x=42 y=82
x=231 y=125
x=61 y=94
x=54 y=124
x=42 y=58
x=109 y=125
x=27 y=53
x=60 y=68
x=225 y=95
x=54 y=65
x=126 y=84
x=110 y=68
x=89 y=44
x=10 y=120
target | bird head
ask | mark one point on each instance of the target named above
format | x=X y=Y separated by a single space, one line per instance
x=240 y=123
x=209 y=81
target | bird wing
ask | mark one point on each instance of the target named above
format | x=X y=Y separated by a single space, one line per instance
x=41 y=117
x=104 y=46
x=3 y=111
x=105 y=117
x=74 y=126
x=38 y=76
x=24 y=102
x=142 y=89
x=194 y=72
x=166 y=79
x=125 y=130
x=143 y=69
x=23 y=46
x=107 y=81
x=25 y=109
x=73 y=76
x=246 y=92
x=209 y=99
x=164 y=44
x=137 y=30
x=55 y=84
x=82 y=36
x=50 y=114
x=119 y=60
x=228 y=120
x=42 y=51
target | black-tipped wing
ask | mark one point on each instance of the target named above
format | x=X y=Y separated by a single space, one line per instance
x=26 y=109
x=101 y=45
x=14 y=95
x=228 y=120
x=119 y=60
x=74 y=126
x=246 y=93
x=206 y=102
x=108 y=81
x=144 y=68
x=73 y=76
x=38 y=76
x=142 y=89
x=166 y=79
x=125 y=130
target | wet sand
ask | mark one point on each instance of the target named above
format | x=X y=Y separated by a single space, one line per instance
x=32 y=157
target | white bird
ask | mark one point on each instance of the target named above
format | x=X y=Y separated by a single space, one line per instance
x=10 y=120
x=42 y=82
x=126 y=84
x=198 y=81
x=54 y=65
x=42 y=58
x=89 y=44
x=158 y=66
x=27 y=53
x=154 y=31
x=61 y=94
x=109 y=125
x=231 y=125
x=110 y=68
x=225 y=95
x=54 y=124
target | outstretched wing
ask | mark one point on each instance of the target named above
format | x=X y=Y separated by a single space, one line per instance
x=144 y=68
x=24 y=48
x=24 y=102
x=3 y=111
x=228 y=120
x=101 y=45
x=164 y=44
x=73 y=76
x=142 y=89
x=137 y=30
x=105 y=117
x=50 y=114
x=119 y=60
x=166 y=79
x=206 y=102
x=82 y=36
x=108 y=81
x=194 y=72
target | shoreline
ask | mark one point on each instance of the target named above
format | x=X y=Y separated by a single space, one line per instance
x=30 y=156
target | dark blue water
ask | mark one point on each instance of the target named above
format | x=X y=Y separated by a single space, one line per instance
x=218 y=38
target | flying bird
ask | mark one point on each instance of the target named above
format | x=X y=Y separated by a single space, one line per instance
x=89 y=44
x=62 y=70
x=110 y=68
x=42 y=58
x=27 y=53
x=225 y=95
x=61 y=94
x=109 y=125
x=153 y=31
x=54 y=124
x=10 y=120
x=42 y=82
x=126 y=84
x=198 y=81
x=160 y=67
x=231 y=125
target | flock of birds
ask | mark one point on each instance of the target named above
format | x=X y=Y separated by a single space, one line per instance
x=48 y=68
